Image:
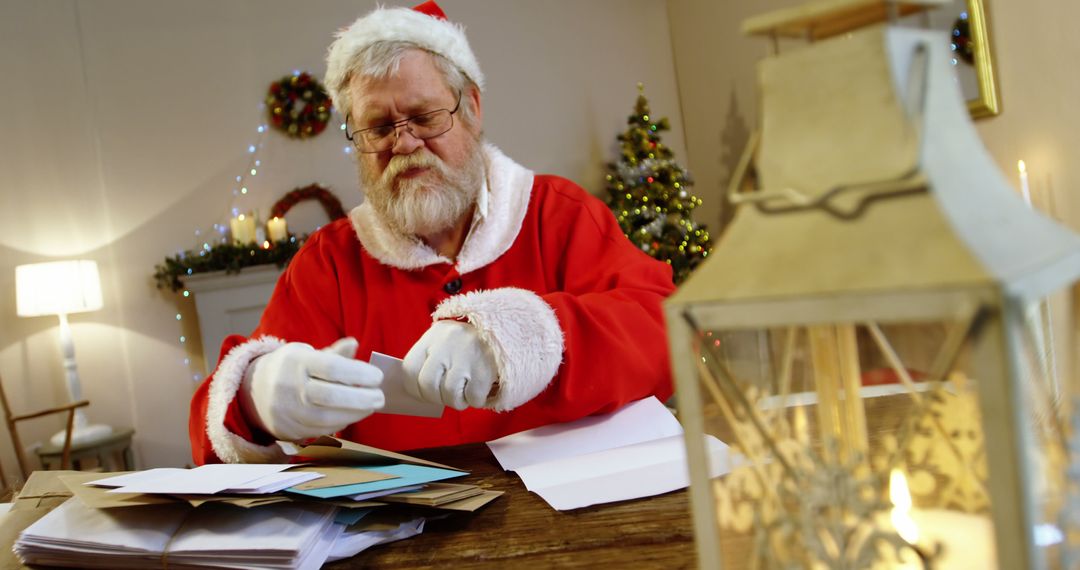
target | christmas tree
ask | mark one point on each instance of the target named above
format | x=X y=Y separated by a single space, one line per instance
x=649 y=194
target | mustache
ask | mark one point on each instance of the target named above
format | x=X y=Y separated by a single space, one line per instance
x=420 y=159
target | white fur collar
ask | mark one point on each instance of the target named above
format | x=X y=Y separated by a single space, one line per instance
x=501 y=209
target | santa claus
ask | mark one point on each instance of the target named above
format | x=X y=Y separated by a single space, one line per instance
x=513 y=297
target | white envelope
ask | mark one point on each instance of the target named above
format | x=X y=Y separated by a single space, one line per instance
x=398 y=401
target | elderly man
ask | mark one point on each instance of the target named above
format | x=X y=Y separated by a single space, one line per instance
x=514 y=298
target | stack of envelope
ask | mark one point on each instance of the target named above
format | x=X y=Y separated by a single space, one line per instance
x=297 y=515
x=286 y=535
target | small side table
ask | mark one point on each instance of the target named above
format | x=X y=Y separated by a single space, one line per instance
x=112 y=453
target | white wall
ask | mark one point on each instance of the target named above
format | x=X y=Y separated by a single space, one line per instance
x=126 y=122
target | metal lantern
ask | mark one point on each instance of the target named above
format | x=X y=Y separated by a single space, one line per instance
x=868 y=333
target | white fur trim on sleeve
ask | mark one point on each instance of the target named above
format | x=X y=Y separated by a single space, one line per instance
x=228 y=446
x=523 y=333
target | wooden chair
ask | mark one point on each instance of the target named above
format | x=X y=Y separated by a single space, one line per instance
x=13 y=420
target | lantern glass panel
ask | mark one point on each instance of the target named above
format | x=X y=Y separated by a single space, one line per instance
x=823 y=415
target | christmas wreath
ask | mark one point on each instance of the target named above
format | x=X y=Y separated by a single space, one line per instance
x=331 y=205
x=298 y=106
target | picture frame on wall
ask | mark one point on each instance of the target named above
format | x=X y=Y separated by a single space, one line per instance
x=968 y=26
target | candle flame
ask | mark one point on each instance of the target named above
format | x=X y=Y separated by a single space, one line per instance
x=901 y=512
x=266 y=245
x=1021 y=167
x=240 y=217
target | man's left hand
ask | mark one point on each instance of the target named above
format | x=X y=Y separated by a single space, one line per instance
x=451 y=365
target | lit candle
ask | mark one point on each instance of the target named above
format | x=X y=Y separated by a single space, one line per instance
x=277 y=229
x=1024 y=189
x=966 y=540
x=243 y=229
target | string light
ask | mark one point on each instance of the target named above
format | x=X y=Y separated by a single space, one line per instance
x=254 y=163
x=220 y=229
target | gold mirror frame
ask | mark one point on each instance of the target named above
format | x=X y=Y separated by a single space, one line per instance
x=981 y=75
x=988 y=102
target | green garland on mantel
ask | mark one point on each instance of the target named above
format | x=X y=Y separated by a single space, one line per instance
x=228 y=257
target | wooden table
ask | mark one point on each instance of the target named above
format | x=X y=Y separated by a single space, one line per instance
x=520 y=530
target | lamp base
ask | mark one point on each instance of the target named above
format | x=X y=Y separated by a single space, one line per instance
x=82 y=435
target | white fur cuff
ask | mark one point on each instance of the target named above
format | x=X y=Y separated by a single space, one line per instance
x=228 y=446
x=523 y=333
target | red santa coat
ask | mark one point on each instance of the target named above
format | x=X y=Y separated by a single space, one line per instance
x=571 y=309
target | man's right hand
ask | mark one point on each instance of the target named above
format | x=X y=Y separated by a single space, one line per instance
x=297 y=392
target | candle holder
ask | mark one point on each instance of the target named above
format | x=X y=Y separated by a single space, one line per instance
x=865 y=312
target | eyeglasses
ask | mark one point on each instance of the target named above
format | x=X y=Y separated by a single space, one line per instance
x=424 y=126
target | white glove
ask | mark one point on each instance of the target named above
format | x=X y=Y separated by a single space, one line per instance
x=450 y=365
x=297 y=392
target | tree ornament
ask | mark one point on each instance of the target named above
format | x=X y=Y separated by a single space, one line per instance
x=298 y=106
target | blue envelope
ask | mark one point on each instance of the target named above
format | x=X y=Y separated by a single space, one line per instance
x=406 y=475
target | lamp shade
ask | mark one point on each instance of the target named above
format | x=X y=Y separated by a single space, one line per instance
x=57 y=287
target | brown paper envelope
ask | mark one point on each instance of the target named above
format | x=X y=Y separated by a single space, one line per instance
x=337 y=475
x=237 y=501
x=434 y=494
x=335 y=449
x=42 y=488
x=101 y=498
x=472 y=503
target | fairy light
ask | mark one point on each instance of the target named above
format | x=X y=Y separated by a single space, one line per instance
x=218 y=233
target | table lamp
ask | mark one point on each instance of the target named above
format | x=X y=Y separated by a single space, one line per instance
x=61 y=288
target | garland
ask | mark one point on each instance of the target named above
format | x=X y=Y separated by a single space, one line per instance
x=298 y=106
x=330 y=203
x=230 y=257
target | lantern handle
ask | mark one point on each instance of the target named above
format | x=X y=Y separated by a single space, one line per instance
x=786 y=200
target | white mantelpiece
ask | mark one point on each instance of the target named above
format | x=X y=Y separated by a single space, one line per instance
x=230 y=303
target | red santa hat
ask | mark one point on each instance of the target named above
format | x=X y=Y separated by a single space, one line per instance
x=424 y=25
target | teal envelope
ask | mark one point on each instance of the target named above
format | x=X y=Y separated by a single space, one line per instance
x=350 y=516
x=407 y=475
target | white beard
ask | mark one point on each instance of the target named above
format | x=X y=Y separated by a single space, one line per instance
x=429 y=203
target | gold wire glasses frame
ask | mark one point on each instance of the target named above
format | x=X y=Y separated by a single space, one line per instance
x=424 y=126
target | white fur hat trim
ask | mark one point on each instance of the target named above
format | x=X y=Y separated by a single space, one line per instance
x=398 y=24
